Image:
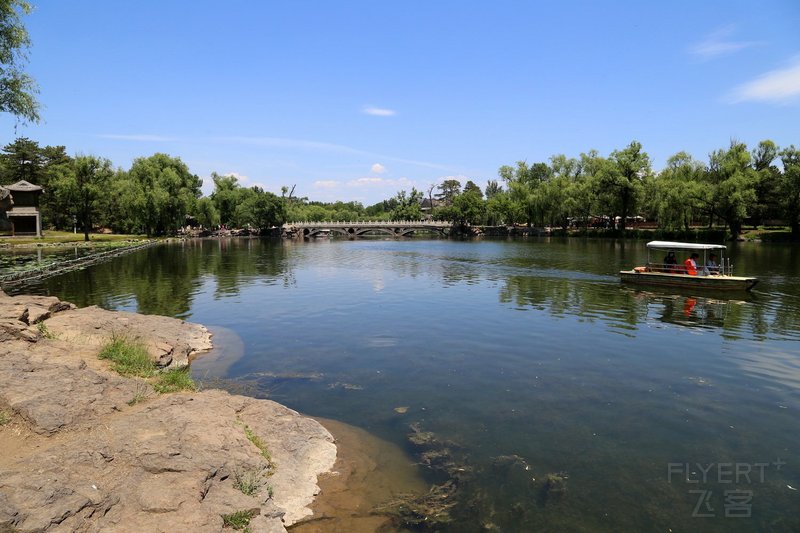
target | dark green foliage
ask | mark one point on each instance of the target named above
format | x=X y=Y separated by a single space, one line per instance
x=407 y=206
x=161 y=194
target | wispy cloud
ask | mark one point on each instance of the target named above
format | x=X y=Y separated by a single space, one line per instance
x=779 y=86
x=325 y=184
x=377 y=168
x=297 y=144
x=719 y=43
x=370 y=181
x=325 y=147
x=137 y=137
x=378 y=111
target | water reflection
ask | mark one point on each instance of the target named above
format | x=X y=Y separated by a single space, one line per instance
x=528 y=348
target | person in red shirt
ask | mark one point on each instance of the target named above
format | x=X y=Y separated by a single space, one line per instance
x=691 y=264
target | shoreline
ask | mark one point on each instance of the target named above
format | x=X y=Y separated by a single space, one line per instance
x=86 y=448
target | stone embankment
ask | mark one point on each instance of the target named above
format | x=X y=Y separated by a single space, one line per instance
x=84 y=449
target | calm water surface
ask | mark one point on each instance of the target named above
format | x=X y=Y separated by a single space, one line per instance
x=512 y=348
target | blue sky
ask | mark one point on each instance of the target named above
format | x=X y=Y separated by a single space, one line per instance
x=357 y=100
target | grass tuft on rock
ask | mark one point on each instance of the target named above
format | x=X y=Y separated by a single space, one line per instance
x=256 y=440
x=143 y=392
x=238 y=520
x=5 y=417
x=46 y=333
x=129 y=357
x=174 y=380
x=249 y=480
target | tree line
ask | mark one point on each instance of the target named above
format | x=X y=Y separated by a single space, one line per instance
x=735 y=186
x=158 y=195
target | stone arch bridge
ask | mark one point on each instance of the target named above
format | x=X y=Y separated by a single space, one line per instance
x=393 y=228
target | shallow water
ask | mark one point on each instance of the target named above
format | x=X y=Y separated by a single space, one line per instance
x=529 y=348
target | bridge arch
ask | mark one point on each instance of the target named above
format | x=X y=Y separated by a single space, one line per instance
x=357 y=229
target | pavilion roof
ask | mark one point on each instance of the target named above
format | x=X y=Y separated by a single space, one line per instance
x=23 y=186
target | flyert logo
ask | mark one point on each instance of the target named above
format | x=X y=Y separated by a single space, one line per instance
x=737 y=502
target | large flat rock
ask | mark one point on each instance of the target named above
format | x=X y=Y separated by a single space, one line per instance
x=85 y=460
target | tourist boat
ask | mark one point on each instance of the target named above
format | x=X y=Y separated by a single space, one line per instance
x=676 y=275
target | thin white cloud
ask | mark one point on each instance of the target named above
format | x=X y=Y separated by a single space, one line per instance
x=719 y=43
x=317 y=146
x=779 y=86
x=325 y=184
x=380 y=182
x=377 y=168
x=297 y=144
x=137 y=137
x=378 y=111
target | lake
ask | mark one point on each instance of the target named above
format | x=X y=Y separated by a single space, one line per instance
x=568 y=401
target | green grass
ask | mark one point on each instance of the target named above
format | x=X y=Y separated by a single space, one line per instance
x=256 y=440
x=5 y=418
x=174 y=380
x=51 y=236
x=238 y=520
x=129 y=357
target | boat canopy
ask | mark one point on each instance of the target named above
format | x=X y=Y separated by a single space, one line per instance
x=667 y=245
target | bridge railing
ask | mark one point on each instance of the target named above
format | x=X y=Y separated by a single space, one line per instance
x=370 y=223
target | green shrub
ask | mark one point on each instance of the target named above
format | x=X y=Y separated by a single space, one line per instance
x=129 y=356
x=174 y=380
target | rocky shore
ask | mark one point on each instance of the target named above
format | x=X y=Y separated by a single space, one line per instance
x=85 y=449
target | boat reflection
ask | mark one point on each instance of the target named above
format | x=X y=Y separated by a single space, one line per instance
x=692 y=310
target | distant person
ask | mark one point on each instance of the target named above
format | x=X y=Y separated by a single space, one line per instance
x=691 y=264
x=711 y=268
x=671 y=262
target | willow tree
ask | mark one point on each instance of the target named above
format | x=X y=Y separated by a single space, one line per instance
x=625 y=178
x=733 y=182
x=170 y=192
x=17 y=89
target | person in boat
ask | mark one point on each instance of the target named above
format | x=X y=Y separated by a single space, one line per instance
x=711 y=268
x=670 y=262
x=691 y=264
